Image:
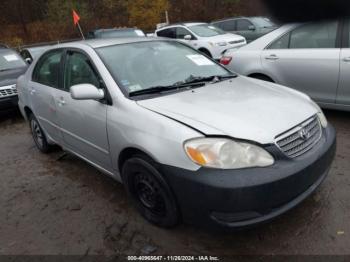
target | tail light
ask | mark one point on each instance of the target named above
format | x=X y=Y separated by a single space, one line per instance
x=225 y=60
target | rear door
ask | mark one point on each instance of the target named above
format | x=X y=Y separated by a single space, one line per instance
x=83 y=123
x=45 y=80
x=307 y=59
x=343 y=96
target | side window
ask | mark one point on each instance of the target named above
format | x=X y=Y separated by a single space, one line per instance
x=243 y=25
x=47 y=71
x=78 y=70
x=281 y=43
x=314 y=35
x=170 y=33
x=230 y=25
x=182 y=32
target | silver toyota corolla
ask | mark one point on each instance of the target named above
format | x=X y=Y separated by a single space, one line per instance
x=190 y=140
x=313 y=58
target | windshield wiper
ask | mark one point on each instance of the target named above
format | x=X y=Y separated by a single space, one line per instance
x=161 y=89
x=214 y=78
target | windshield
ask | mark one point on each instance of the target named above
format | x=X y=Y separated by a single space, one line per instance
x=263 y=22
x=121 y=33
x=206 y=30
x=10 y=60
x=143 y=65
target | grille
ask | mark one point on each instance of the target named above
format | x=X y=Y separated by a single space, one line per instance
x=301 y=139
x=8 y=91
x=236 y=42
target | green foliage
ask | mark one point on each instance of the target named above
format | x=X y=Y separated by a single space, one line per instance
x=61 y=10
x=145 y=13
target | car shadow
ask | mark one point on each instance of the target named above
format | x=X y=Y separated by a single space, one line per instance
x=10 y=116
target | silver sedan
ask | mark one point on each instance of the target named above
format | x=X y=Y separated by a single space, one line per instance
x=313 y=58
x=190 y=140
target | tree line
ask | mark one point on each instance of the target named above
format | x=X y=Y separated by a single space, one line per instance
x=33 y=21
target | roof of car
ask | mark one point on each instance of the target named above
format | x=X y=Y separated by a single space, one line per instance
x=237 y=17
x=115 y=29
x=183 y=24
x=97 y=43
x=7 y=50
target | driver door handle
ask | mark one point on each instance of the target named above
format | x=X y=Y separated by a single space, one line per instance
x=32 y=91
x=61 y=102
x=346 y=59
x=272 y=57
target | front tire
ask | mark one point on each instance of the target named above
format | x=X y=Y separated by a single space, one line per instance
x=149 y=192
x=38 y=135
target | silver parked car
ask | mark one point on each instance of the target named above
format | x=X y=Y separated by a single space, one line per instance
x=190 y=140
x=313 y=58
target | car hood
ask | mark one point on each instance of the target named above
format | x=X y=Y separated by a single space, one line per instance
x=226 y=38
x=241 y=108
x=9 y=77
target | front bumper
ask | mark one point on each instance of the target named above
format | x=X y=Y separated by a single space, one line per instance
x=241 y=198
x=9 y=102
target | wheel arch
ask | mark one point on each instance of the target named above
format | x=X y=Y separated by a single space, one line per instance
x=27 y=112
x=261 y=75
x=205 y=50
x=128 y=152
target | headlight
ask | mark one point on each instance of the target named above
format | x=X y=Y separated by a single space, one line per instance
x=321 y=115
x=221 y=44
x=226 y=154
x=323 y=119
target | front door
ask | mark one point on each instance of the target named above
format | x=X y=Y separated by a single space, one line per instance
x=306 y=59
x=83 y=123
x=343 y=96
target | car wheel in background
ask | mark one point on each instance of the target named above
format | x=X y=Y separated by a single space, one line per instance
x=38 y=135
x=149 y=192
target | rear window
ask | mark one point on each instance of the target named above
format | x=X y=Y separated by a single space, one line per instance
x=10 y=60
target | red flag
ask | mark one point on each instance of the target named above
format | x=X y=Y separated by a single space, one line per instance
x=76 y=17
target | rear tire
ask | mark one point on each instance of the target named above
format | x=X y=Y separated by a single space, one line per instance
x=149 y=192
x=38 y=135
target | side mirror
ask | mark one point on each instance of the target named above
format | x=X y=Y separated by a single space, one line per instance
x=188 y=37
x=251 y=28
x=28 y=60
x=86 y=92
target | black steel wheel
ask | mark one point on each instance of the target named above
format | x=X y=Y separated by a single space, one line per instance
x=149 y=192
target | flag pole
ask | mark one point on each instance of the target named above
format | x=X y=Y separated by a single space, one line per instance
x=81 y=31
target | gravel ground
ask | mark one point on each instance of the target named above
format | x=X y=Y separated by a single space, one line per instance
x=52 y=206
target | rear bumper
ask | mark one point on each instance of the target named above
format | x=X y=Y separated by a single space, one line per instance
x=7 y=103
x=242 y=198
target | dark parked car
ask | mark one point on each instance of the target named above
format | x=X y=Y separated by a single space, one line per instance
x=3 y=46
x=250 y=27
x=116 y=33
x=30 y=53
x=11 y=67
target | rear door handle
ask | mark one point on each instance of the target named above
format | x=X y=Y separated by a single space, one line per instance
x=32 y=91
x=346 y=59
x=272 y=57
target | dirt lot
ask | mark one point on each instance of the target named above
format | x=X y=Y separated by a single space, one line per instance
x=51 y=206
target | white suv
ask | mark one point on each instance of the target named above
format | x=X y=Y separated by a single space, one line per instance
x=206 y=38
